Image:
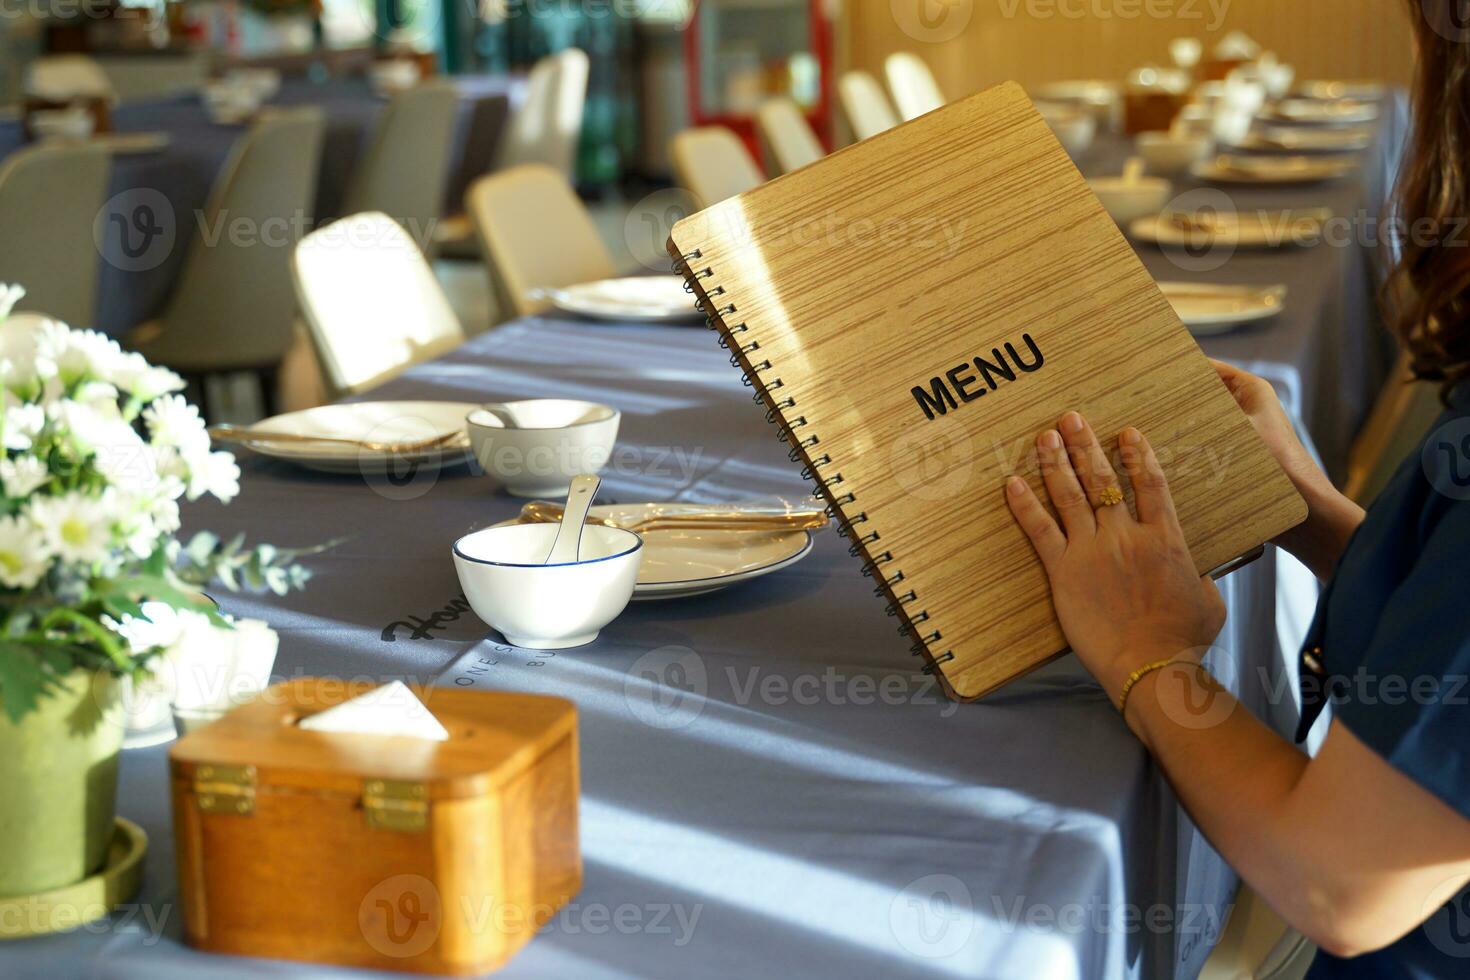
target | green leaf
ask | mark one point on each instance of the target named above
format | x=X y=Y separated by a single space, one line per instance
x=30 y=671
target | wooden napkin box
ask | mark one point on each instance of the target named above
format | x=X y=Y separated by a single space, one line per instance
x=377 y=851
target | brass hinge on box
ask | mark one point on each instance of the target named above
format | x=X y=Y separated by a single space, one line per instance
x=395 y=805
x=225 y=789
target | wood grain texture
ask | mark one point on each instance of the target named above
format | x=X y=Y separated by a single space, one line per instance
x=846 y=284
x=305 y=877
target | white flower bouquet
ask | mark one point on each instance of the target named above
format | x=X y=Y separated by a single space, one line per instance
x=98 y=450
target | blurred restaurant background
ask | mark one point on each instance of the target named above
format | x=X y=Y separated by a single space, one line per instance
x=643 y=110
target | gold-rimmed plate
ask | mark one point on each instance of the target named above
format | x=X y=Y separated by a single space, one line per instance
x=1208 y=309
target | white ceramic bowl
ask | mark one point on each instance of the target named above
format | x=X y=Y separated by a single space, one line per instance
x=1127 y=201
x=1074 y=129
x=1169 y=156
x=393 y=75
x=264 y=83
x=547 y=607
x=229 y=101
x=75 y=123
x=557 y=440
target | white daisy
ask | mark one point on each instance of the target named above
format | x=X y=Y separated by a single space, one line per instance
x=23 y=555
x=144 y=381
x=172 y=421
x=215 y=473
x=9 y=296
x=27 y=343
x=86 y=354
x=76 y=528
x=22 y=475
x=22 y=423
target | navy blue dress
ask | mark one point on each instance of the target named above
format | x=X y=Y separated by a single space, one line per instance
x=1390 y=649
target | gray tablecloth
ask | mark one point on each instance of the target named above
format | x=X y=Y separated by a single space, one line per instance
x=175 y=180
x=770 y=786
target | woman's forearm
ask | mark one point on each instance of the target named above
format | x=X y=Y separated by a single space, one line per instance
x=1332 y=518
x=1348 y=850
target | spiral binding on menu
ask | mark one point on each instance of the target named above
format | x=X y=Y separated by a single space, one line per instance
x=757 y=372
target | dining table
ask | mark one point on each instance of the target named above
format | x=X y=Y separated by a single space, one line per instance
x=770 y=783
x=168 y=184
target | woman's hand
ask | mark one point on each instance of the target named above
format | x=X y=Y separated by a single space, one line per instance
x=1332 y=518
x=1125 y=588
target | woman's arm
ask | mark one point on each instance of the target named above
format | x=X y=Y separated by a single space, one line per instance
x=1331 y=517
x=1346 y=848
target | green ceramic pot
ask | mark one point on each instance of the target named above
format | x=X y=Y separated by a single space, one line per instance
x=58 y=767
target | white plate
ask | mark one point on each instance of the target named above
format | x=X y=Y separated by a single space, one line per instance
x=1339 y=112
x=1249 y=229
x=374 y=421
x=1298 y=140
x=678 y=564
x=635 y=299
x=1233 y=169
x=1208 y=309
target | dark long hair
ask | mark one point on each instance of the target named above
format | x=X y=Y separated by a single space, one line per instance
x=1427 y=293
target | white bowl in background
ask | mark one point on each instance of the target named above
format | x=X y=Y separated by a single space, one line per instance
x=1168 y=155
x=263 y=83
x=1129 y=200
x=73 y=123
x=555 y=440
x=1075 y=129
x=229 y=101
x=547 y=607
x=393 y=75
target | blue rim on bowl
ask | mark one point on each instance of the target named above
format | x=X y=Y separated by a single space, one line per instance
x=565 y=564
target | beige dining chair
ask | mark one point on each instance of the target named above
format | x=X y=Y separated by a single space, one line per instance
x=712 y=164
x=912 y=84
x=786 y=136
x=865 y=105
x=50 y=197
x=233 y=308
x=371 y=302
x=547 y=127
x=62 y=77
x=407 y=165
x=1257 y=944
x=534 y=234
x=1397 y=424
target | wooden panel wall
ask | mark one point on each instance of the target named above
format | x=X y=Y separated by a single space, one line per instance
x=972 y=44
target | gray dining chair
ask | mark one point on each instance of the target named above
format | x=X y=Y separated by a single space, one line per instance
x=50 y=197
x=405 y=169
x=233 y=307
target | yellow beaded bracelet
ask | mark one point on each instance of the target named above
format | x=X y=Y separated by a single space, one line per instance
x=1139 y=675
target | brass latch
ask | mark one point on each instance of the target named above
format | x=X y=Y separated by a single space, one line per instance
x=395 y=805
x=225 y=789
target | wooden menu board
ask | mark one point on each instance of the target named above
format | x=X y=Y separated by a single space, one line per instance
x=912 y=311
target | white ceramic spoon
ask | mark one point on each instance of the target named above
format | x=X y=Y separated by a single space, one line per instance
x=504 y=414
x=566 y=549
